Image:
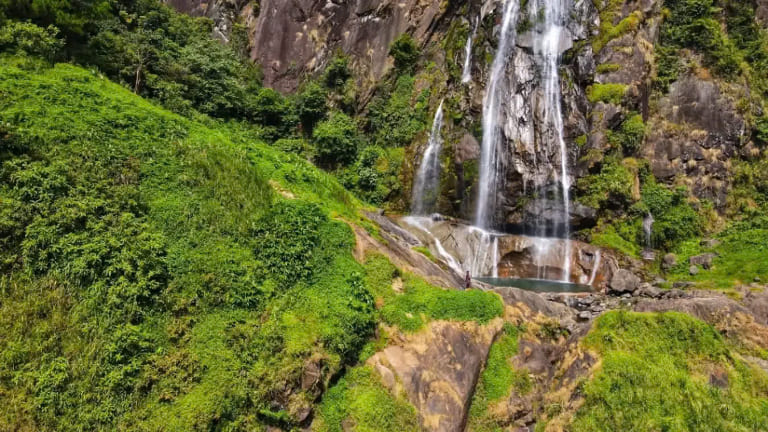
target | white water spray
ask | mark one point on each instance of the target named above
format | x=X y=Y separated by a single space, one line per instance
x=427 y=183
x=547 y=47
x=466 y=75
x=489 y=154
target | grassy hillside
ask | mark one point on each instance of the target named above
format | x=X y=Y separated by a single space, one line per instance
x=163 y=273
x=151 y=274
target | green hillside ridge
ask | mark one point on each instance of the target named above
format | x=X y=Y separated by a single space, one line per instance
x=153 y=277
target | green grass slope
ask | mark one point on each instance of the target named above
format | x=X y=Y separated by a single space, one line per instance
x=669 y=372
x=152 y=278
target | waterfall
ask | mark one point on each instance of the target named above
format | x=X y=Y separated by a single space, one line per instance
x=466 y=75
x=547 y=48
x=489 y=154
x=648 y=229
x=594 y=268
x=478 y=253
x=427 y=182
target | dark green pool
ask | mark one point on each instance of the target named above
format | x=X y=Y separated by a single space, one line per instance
x=537 y=285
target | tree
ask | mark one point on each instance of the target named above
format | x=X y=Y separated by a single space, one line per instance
x=336 y=140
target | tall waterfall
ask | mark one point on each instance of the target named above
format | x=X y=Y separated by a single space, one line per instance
x=547 y=48
x=490 y=168
x=427 y=183
x=466 y=75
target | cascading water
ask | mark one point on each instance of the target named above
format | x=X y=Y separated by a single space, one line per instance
x=489 y=155
x=595 y=267
x=466 y=75
x=427 y=182
x=547 y=47
x=648 y=229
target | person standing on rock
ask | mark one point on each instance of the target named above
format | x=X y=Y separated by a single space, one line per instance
x=467 y=280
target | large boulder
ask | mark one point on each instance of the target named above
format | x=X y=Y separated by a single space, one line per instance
x=703 y=260
x=624 y=281
x=438 y=369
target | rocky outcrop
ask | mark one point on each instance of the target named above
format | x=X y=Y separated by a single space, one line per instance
x=298 y=37
x=695 y=135
x=397 y=245
x=437 y=369
x=516 y=256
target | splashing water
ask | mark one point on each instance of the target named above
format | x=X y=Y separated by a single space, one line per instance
x=479 y=254
x=466 y=75
x=490 y=168
x=547 y=47
x=427 y=182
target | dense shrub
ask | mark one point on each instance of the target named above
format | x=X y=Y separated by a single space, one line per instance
x=396 y=120
x=405 y=51
x=609 y=188
x=336 y=140
x=286 y=238
x=630 y=135
x=675 y=220
x=18 y=37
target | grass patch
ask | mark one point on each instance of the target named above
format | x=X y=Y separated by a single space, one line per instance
x=655 y=376
x=426 y=252
x=497 y=381
x=608 y=93
x=422 y=302
x=608 y=68
x=359 y=399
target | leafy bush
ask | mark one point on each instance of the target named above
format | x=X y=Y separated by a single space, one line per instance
x=311 y=106
x=397 y=120
x=359 y=397
x=692 y=24
x=675 y=220
x=630 y=135
x=610 y=188
x=286 y=238
x=19 y=37
x=336 y=140
x=405 y=51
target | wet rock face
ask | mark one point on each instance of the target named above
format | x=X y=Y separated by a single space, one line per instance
x=438 y=369
x=531 y=155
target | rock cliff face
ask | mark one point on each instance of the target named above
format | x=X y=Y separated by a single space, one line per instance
x=694 y=128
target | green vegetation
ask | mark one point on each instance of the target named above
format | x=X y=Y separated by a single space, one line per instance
x=608 y=68
x=360 y=399
x=608 y=93
x=421 y=302
x=395 y=121
x=182 y=291
x=425 y=251
x=655 y=375
x=611 y=187
x=629 y=137
x=405 y=51
x=336 y=140
x=497 y=381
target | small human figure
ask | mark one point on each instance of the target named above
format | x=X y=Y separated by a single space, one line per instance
x=468 y=280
